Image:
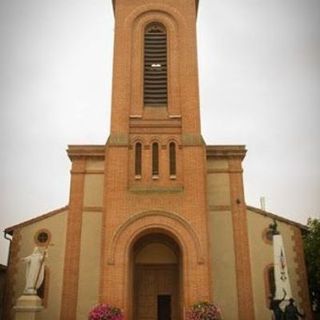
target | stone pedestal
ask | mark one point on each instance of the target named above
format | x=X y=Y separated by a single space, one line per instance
x=27 y=307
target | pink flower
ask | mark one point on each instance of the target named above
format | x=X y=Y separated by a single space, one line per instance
x=105 y=312
x=204 y=311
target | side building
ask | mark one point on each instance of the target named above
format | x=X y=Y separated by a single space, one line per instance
x=49 y=230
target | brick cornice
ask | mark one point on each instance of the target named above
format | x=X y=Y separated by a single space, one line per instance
x=86 y=151
x=226 y=151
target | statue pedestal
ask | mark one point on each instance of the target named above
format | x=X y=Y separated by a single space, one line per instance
x=27 y=307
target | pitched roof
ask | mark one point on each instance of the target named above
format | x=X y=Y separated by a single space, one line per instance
x=36 y=219
x=10 y=230
x=277 y=217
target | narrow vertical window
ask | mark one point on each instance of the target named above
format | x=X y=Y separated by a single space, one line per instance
x=155 y=159
x=155 y=65
x=138 y=159
x=43 y=290
x=172 y=159
x=271 y=281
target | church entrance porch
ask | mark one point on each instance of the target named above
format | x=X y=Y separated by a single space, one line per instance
x=156 y=277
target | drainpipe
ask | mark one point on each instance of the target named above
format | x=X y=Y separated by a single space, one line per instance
x=6 y=236
x=6 y=285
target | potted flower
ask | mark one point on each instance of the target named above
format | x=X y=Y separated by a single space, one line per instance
x=105 y=312
x=204 y=311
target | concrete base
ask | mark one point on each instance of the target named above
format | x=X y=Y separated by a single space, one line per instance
x=27 y=307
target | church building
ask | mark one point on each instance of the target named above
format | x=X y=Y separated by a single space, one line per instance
x=156 y=219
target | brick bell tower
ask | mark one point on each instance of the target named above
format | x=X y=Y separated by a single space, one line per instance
x=155 y=208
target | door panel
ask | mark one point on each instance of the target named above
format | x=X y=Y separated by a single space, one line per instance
x=156 y=292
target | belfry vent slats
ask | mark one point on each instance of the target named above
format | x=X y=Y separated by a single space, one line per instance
x=155 y=65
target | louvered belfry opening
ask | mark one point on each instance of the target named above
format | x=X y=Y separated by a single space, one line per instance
x=155 y=65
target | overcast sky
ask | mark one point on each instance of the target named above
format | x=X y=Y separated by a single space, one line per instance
x=259 y=63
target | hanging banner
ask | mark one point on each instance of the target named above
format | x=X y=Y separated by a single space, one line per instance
x=281 y=275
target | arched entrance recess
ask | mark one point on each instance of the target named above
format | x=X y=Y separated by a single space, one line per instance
x=118 y=271
x=156 y=269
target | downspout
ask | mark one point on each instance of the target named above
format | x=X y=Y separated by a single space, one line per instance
x=5 y=310
x=10 y=240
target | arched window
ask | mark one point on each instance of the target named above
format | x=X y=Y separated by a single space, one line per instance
x=155 y=159
x=155 y=65
x=172 y=159
x=271 y=281
x=43 y=290
x=138 y=159
x=270 y=284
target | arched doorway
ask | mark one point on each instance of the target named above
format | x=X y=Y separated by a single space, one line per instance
x=157 y=270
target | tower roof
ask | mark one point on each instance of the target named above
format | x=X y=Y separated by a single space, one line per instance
x=197 y=4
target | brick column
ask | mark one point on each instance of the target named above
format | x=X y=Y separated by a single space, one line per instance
x=73 y=240
x=241 y=242
x=302 y=272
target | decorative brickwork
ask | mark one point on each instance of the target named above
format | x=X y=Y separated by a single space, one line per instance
x=302 y=273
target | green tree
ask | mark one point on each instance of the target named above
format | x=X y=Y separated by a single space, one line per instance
x=312 y=254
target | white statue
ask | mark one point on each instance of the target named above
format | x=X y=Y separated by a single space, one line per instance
x=34 y=271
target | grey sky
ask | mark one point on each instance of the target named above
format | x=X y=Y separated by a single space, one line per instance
x=259 y=64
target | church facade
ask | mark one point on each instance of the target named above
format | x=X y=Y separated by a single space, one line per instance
x=157 y=219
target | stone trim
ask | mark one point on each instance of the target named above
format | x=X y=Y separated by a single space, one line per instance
x=118 y=140
x=94 y=171
x=92 y=209
x=146 y=190
x=213 y=171
x=220 y=208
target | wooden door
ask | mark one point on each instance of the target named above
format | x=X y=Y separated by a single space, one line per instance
x=156 y=292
